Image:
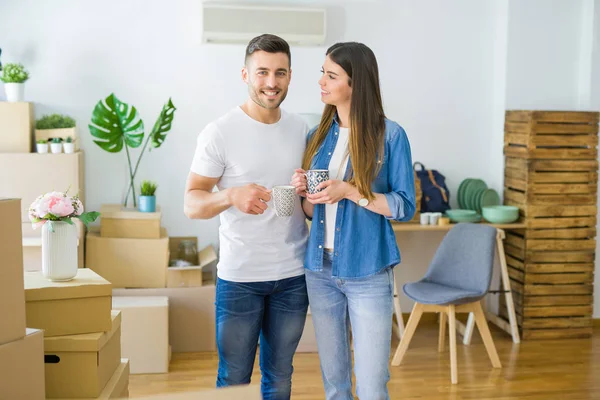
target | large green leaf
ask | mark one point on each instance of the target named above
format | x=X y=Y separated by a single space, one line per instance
x=115 y=122
x=162 y=125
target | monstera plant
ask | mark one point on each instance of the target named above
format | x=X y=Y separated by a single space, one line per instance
x=117 y=125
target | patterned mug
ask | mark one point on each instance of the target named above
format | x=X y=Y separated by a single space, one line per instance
x=314 y=177
x=284 y=198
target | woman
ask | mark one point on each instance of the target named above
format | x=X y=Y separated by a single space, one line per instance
x=352 y=247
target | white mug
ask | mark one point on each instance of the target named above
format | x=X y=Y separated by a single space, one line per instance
x=425 y=218
x=434 y=218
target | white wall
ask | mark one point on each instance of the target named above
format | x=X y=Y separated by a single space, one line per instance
x=448 y=71
x=543 y=54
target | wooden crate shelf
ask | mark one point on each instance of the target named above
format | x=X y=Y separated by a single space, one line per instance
x=551 y=174
x=551 y=135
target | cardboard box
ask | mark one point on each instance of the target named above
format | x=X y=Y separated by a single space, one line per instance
x=145 y=333
x=119 y=222
x=190 y=276
x=22 y=367
x=16 y=127
x=191 y=316
x=12 y=292
x=138 y=263
x=246 y=392
x=32 y=246
x=63 y=133
x=118 y=385
x=81 y=305
x=81 y=365
x=59 y=171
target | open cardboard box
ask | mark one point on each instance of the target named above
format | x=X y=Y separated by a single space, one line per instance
x=194 y=275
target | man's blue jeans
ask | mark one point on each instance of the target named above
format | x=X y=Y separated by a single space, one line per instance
x=275 y=311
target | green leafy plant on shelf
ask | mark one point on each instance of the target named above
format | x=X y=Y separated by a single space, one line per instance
x=14 y=73
x=148 y=188
x=117 y=125
x=55 y=121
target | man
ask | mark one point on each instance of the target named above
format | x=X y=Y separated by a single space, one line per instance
x=261 y=291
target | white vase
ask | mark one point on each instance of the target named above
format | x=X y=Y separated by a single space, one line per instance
x=42 y=148
x=59 y=251
x=69 y=147
x=15 y=92
x=56 y=148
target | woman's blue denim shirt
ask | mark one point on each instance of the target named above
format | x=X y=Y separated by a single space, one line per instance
x=365 y=242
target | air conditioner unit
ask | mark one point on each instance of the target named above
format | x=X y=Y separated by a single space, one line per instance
x=227 y=23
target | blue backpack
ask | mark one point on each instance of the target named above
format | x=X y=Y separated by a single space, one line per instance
x=436 y=196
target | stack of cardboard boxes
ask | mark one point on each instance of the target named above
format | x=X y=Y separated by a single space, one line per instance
x=82 y=347
x=133 y=251
x=21 y=350
x=27 y=175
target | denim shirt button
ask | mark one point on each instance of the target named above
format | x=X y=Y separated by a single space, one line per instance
x=320 y=246
x=329 y=154
x=337 y=254
x=321 y=221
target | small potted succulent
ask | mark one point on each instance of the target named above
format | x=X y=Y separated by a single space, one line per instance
x=56 y=145
x=41 y=146
x=56 y=126
x=14 y=77
x=69 y=145
x=147 y=199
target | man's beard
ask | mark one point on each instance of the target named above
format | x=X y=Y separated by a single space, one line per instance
x=255 y=95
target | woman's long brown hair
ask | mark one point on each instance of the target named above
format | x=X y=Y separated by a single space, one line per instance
x=367 y=119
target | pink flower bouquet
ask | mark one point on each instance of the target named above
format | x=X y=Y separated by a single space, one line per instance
x=58 y=207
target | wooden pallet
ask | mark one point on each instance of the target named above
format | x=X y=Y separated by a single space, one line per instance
x=551 y=322
x=552 y=281
x=551 y=135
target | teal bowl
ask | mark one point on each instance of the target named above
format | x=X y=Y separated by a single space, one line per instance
x=459 y=215
x=500 y=214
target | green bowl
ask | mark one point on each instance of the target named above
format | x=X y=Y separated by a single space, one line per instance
x=459 y=215
x=500 y=214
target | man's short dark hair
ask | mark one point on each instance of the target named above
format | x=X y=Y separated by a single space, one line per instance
x=270 y=44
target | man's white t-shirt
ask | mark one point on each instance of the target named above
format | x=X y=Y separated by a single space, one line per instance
x=240 y=150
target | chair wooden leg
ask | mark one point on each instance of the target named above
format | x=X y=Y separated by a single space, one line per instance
x=442 y=335
x=484 y=331
x=409 y=331
x=470 y=326
x=399 y=320
x=452 y=330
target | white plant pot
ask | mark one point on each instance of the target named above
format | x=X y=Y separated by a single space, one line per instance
x=42 y=148
x=59 y=251
x=15 y=92
x=56 y=148
x=69 y=147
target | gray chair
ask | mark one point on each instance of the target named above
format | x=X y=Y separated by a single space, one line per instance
x=457 y=279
